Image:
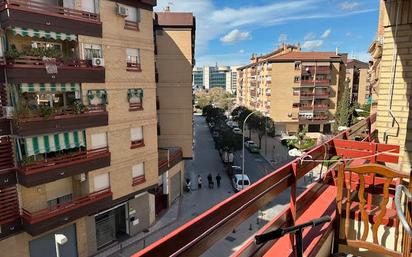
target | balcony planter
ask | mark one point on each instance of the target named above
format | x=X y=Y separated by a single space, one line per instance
x=44 y=171
x=64 y=121
x=46 y=219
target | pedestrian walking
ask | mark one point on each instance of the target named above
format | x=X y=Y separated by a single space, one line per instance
x=218 y=178
x=199 y=181
x=210 y=180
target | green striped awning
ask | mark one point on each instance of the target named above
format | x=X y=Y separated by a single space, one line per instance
x=49 y=87
x=135 y=92
x=43 y=34
x=54 y=142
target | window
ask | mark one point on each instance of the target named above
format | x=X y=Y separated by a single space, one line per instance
x=133 y=59
x=132 y=20
x=296 y=79
x=99 y=140
x=101 y=182
x=137 y=137
x=97 y=97
x=138 y=174
x=296 y=91
x=135 y=96
x=91 y=51
x=59 y=200
x=91 y=6
x=46 y=45
x=297 y=65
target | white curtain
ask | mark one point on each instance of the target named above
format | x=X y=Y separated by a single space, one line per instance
x=68 y=4
x=136 y=133
x=138 y=170
x=99 y=140
x=89 y=6
x=134 y=14
x=101 y=182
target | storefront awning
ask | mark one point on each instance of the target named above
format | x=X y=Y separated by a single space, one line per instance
x=54 y=142
x=49 y=87
x=43 y=34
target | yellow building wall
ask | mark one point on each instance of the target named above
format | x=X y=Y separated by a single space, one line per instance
x=174 y=88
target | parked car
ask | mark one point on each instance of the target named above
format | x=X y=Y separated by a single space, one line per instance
x=239 y=181
x=237 y=131
x=252 y=146
x=233 y=170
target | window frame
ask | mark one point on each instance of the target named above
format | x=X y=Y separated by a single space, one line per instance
x=136 y=143
x=137 y=180
x=133 y=66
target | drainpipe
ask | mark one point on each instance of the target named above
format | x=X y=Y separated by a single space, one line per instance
x=392 y=85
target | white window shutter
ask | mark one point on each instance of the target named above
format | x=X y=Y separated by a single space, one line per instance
x=136 y=133
x=99 y=140
x=133 y=14
x=101 y=182
x=138 y=170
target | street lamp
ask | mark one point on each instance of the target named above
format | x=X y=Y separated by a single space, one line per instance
x=243 y=148
x=59 y=239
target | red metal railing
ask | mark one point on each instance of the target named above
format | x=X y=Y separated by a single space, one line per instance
x=68 y=113
x=37 y=62
x=326 y=94
x=318 y=69
x=305 y=106
x=323 y=81
x=9 y=205
x=132 y=66
x=202 y=232
x=173 y=155
x=131 y=25
x=321 y=106
x=315 y=117
x=59 y=209
x=49 y=9
x=137 y=144
x=62 y=161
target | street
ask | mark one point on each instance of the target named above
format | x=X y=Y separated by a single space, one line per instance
x=207 y=160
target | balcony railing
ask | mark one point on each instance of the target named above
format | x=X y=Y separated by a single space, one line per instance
x=131 y=66
x=319 y=69
x=63 y=119
x=305 y=106
x=48 y=9
x=51 y=169
x=316 y=82
x=322 y=94
x=168 y=158
x=321 y=106
x=314 y=118
x=27 y=69
x=7 y=167
x=205 y=230
x=131 y=25
x=37 y=222
x=9 y=211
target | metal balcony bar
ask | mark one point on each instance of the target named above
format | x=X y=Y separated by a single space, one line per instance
x=48 y=9
x=202 y=232
x=37 y=216
x=61 y=161
x=37 y=62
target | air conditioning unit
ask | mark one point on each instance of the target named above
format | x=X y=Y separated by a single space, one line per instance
x=8 y=111
x=122 y=11
x=97 y=62
x=81 y=177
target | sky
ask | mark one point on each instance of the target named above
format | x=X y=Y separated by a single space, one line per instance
x=229 y=31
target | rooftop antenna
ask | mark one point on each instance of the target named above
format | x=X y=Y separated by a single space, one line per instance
x=337 y=51
x=168 y=6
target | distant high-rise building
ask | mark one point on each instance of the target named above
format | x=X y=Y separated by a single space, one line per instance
x=208 y=77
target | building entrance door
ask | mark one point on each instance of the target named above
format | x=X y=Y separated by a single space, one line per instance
x=160 y=200
x=111 y=226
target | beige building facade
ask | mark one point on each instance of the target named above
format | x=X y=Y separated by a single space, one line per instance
x=357 y=79
x=78 y=129
x=296 y=89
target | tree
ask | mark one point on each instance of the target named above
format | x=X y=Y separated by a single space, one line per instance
x=217 y=97
x=345 y=110
x=260 y=124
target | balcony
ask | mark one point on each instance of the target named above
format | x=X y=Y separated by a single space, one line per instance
x=322 y=95
x=26 y=69
x=4 y=125
x=51 y=169
x=169 y=157
x=317 y=70
x=323 y=82
x=321 y=106
x=9 y=212
x=61 y=120
x=314 y=118
x=323 y=197
x=40 y=221
x=305 y=106
x=7 y=167
x=41 y=16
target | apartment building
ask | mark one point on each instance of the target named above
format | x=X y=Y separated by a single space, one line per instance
x=78 y=142
x=296 y=89
x=174 y=47
x=208 y=77
x=357 y=79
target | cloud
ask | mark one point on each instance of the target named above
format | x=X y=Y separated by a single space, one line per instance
x=282 y=38
x=241 y=51
x=326 y=33
x=348 y=5
x=235 y=36
x=309 y=36
x=214 y=21
x=312 y=44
